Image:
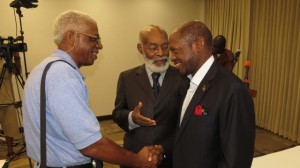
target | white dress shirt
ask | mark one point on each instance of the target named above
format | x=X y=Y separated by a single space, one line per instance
x=194 y=83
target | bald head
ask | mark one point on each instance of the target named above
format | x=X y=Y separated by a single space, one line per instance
x=219 y=44
x=191 y=31
x=148 y=30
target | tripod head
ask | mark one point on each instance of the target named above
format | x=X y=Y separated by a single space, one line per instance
x=24 y=3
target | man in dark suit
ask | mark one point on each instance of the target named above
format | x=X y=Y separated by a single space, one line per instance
x=147 y=118
x=217 y=121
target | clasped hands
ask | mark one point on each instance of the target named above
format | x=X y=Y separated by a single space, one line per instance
x=153 y=155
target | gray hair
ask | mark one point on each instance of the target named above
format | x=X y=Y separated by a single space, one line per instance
x=69 y=20
x=147 y=29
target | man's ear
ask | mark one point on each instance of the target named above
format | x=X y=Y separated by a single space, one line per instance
x=139 y=47
x=70 y=38
x=199 y=44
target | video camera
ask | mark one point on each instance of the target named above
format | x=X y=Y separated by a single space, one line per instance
x=10 y=45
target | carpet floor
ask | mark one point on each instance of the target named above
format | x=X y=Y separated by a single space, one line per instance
x=265 y=143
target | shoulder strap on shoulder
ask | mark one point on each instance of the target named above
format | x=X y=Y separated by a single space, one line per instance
x=43 y=163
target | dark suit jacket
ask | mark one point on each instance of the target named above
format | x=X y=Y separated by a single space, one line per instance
x=134 y=86
x=224 y=136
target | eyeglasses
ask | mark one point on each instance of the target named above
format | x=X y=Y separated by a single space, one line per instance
x=92 y=37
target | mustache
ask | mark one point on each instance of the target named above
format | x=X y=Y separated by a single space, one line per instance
x=166 y=58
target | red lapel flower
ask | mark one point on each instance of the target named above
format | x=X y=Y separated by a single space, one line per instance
x=200 y=110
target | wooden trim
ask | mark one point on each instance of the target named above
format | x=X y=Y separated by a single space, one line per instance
x=105 y=117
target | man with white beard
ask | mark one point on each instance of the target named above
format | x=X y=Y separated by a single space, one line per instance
x=149 y=114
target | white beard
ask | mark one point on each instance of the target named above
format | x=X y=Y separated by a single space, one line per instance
x=154 y=68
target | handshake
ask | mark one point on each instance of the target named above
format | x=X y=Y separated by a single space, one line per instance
x=149 y=156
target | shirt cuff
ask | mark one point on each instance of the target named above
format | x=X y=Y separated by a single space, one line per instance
x=131 y=124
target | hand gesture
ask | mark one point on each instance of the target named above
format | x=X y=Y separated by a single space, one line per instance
x=140 y=119
x=152 y=156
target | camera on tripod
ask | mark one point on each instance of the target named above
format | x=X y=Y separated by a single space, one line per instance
x=10 y=48
x=10 y=45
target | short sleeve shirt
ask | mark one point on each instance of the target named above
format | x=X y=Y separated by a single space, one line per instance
x=71 y=125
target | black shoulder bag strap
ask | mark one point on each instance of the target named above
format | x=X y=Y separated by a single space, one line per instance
x=43 y=163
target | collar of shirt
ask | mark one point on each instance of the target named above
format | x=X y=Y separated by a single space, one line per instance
x=160 y=79
x=66 y=57
x=197 y=78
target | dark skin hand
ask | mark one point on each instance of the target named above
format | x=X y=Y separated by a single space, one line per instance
x=140 y=119
x=158 y=153
x=154 y=153
x=108 y=151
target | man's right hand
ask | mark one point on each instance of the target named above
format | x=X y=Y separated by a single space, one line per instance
x=140 y=119
x=149 y=157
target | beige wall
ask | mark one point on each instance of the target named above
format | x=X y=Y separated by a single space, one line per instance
x=119 y=22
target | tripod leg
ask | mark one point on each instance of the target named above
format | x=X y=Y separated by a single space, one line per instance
x=2 y=74
x=17 y=73
x=21 y=81
x=29 y=160
x=18 y=106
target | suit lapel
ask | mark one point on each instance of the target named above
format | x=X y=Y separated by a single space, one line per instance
x=144 y=82
x=168 y=81
x=200 y=93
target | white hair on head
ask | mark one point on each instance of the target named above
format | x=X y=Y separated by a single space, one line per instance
x=70 y=20
x=149 y=28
